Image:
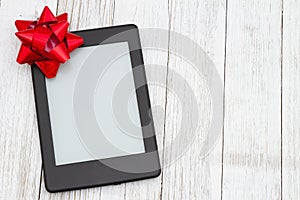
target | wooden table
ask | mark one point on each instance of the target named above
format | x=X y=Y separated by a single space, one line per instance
x=255 y=47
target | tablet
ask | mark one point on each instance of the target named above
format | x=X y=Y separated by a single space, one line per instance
x=94 y=118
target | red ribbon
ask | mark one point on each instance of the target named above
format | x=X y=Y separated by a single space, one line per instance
x=46 y=41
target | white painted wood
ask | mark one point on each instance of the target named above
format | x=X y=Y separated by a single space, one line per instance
x=20 y=159
x=290 y=101
x=149 y=14
x=252 y=133
x=252 y=130
x=88 y=14
x=141 y=189
x=85 y=15
x=190 y=177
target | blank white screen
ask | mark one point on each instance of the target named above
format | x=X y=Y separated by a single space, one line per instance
x=76 y=138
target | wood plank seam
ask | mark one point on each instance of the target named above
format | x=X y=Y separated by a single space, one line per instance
x=224 y=77
x=256 y=47
x=290 y=102
x=166 y=97
x=41 y=179
x=281 y=98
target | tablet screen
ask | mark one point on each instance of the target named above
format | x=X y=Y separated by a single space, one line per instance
x=93 y=106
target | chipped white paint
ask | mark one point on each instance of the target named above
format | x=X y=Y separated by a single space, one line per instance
x=290 y=101
x=260 y=154
x=20 y=159
x=252 y=128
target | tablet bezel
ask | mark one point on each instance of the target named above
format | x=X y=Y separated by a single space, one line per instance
x=94 y=173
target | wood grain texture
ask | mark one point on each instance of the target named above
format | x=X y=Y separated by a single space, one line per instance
x=189 y=176
x=20 y=159
x=290 y=101
x=149 y=14
x=252 y=132
x=261 y=68
x=85 y=15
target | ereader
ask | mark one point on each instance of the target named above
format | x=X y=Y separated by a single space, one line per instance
x=94 y=118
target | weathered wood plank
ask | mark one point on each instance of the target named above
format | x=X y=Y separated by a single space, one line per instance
x=252 y=95
x=151 y=187
x=190 y=177
x=290 y=101
x=252 y=133
x=149 y=14
x=85 y=15
x=20 y=159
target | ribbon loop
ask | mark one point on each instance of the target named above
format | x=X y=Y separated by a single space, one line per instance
x=46 y=41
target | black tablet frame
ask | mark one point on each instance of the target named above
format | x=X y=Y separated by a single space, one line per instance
x=95 y=173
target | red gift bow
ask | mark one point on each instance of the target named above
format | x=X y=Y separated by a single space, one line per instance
x=46 y=41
